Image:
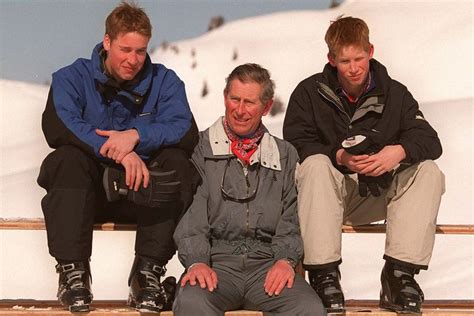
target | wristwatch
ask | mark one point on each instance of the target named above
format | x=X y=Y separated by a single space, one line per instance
x=292 y=263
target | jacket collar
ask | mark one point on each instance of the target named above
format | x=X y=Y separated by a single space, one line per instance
x=134 y=91
x=267 y=153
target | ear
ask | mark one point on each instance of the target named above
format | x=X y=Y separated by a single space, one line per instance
x=371 y=52
x=107 y=41
x=267 y=107
x=331 y=60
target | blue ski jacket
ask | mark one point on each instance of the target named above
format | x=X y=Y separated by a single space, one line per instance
x=83 y=98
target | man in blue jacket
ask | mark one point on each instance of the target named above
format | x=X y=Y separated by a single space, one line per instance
x=123 y=133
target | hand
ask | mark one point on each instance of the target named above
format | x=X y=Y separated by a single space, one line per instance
x=118 y=143
x=281 y=274
x=135 y=171
x=204 y=275
x=383 y=161
x=355 y=163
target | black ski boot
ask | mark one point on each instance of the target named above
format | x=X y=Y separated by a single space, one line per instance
x=326 y=284
x=74 y=291
x=400 y=292
x=147 y=293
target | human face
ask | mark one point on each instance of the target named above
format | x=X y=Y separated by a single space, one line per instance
x=352 y=63
x=125 y=55
x=243 y=108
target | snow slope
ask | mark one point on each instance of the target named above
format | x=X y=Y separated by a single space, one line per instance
x=427 y=45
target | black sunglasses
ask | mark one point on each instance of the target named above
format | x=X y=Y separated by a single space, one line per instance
x=228 y=196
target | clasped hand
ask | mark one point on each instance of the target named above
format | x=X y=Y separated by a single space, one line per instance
x=373 y=165
x=119 y=147
x=118 y=144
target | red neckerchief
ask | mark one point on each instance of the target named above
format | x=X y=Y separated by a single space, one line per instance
x=244 y=148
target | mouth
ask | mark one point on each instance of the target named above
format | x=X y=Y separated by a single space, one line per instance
x=129 y=70
x=355 y=78
x=241 y=120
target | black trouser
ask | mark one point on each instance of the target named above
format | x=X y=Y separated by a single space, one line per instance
x=75 y=200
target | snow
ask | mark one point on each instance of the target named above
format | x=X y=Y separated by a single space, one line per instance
x=426 y=45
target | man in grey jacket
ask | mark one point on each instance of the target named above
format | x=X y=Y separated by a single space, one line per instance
x=240 y=240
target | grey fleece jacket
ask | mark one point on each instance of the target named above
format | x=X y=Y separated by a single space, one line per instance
x=268 y=223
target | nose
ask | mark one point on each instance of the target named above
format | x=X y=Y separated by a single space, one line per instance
x=353 y=66
x=240 y=108
x=132 y=59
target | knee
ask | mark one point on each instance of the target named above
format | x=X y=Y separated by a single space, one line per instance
x=66 y=164
x=172 y=159
x=316 y=164
x=66 y=157
x=192 y=300
x=316 y=168
x=430 y=169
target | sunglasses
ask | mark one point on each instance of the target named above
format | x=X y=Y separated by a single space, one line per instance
x=227 y=196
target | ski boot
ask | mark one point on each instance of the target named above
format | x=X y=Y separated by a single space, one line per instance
x=326 y=284
x=74 y=291
x=400 y=292
x=147 y=293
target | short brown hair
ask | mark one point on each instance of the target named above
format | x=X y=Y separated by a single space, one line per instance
x=253 y=73
x=125 y=18
x=346 y=31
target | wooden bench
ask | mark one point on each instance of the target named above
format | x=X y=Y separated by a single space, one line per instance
x=354 y=308
x=38 y=224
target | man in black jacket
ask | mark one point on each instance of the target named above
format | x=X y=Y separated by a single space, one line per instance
x=366 y=154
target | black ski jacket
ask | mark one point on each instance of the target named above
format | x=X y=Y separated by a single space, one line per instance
x=316 y=122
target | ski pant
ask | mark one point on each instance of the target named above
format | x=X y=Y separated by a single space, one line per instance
x=75 y=200
x=327 y=199
x=240 y=286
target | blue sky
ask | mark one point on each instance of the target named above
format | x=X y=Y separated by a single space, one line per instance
x=38 y=37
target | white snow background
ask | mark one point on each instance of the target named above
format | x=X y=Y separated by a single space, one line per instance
x=426 y=45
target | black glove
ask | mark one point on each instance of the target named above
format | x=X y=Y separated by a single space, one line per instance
x=163 y=187
x=367 y=144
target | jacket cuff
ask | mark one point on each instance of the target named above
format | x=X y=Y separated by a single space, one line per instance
x=341 y=168
x=408 y=156
x=286 y=254
x=196 y=259
x=144 y=138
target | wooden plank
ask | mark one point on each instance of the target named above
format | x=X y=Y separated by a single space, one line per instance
x=440 y=229
x=38 y=224
x=354 y=308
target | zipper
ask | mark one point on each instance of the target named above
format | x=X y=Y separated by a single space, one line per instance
x=247 y=211
x=335 y=103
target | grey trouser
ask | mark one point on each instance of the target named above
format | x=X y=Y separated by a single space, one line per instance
x=327 y=199
x=240 y=286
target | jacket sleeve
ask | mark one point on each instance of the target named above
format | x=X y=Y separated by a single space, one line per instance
x=62 y=120
x=172 y=119
x=417 y=137
x=300 y=128
x=193 y=231
x=287 y=242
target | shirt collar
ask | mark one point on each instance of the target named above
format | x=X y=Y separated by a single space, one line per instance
x=267 y=153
